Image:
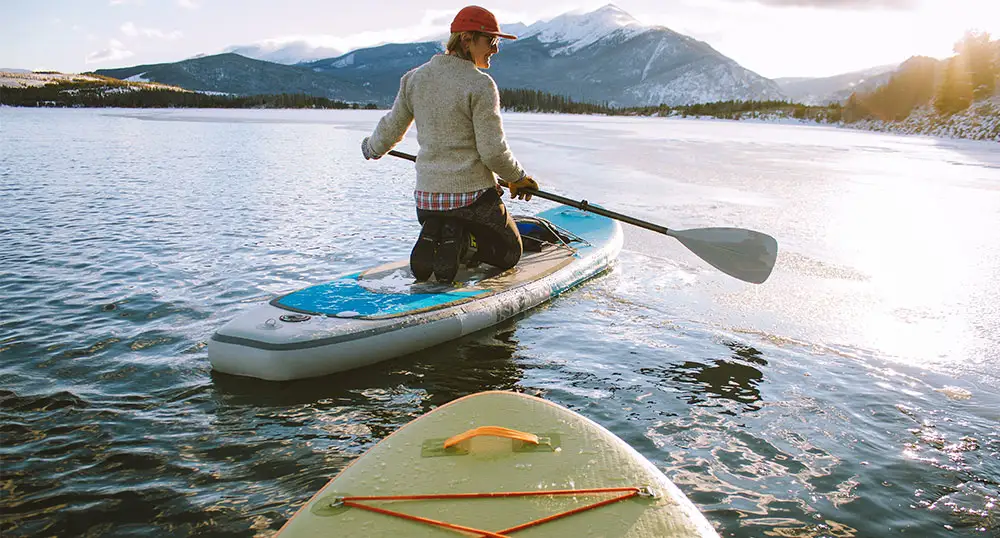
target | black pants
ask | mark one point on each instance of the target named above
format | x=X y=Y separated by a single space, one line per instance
x=497 y=238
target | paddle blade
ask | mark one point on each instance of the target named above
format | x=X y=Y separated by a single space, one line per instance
x=743 y=254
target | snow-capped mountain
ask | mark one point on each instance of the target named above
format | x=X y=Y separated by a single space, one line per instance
x=573 y=31
x=286 y=52
x=601 y=56
x=516 y=28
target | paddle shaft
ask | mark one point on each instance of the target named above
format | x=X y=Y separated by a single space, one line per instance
x=582 y=205
x=744 y=254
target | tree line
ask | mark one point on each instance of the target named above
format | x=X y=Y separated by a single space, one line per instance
x=525 y=100
x=951 y=85
x=112 y=93
x=101 y=94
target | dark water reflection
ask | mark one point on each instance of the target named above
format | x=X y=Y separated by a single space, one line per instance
x=734 y=379
x=444 y=373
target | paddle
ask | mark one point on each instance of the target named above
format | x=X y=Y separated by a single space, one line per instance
x=743 y=254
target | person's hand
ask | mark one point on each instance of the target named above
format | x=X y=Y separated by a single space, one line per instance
x=366 y=150
x=516 y=188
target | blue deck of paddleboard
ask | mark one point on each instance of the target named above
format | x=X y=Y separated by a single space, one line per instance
x=345 y=297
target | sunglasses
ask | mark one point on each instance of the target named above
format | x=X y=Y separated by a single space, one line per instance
x=494 y=41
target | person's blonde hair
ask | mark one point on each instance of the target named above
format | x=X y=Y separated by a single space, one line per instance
x=454 y=46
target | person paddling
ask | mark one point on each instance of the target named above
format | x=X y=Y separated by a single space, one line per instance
x=456 y=108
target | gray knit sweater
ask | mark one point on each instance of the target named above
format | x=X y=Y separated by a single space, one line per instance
x=457 y=111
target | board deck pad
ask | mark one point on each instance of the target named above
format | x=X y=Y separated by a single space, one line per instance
x=347 y=298
x=575 y=453
x=390 y=290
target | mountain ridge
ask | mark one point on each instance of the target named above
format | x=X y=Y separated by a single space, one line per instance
x=835 y=88
x=603 y=56
x=236 y=74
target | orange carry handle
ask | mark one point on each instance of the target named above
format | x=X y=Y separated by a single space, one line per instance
x=495 y=431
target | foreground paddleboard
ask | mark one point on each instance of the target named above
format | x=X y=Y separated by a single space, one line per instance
x=572 y=455
x=365 y=317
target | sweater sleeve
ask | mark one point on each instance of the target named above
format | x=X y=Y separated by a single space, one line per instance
x=393 y=126
x=490 y=139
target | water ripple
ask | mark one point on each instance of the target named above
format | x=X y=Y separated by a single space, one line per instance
x=127 y=242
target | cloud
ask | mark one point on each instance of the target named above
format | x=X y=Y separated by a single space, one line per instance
x=116 y=51
x=900 y=5
x=125 y=2
x=188 y=4
x=132 y=30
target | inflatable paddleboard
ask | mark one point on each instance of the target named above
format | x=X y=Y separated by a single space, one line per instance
x=365 y=317
x=498 y=464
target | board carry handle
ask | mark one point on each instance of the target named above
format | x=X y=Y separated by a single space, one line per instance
x=494 y=431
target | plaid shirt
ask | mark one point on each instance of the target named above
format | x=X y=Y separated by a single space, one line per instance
x=444 y=201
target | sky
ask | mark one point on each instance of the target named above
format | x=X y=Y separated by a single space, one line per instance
x=775 y=38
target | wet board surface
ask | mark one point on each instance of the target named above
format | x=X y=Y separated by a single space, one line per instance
x=574 y=453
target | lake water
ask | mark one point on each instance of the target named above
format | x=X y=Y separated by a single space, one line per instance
x=853 y=394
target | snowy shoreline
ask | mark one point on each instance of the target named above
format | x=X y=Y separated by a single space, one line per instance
x=981 y=121
x=958 y=127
